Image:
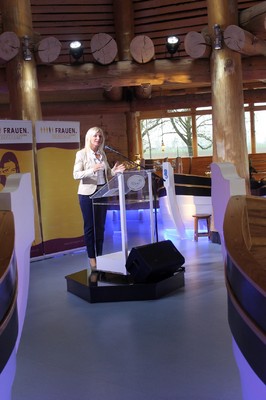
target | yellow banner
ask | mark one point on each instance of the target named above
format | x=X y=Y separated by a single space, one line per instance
x=57 y=143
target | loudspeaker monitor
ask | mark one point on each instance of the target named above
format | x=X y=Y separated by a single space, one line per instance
x=154 y=262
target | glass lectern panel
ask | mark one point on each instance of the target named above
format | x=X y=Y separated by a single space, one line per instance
x=124 y=207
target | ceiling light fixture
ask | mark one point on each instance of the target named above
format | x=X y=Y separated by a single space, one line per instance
x=76 y=50
x=172 y=44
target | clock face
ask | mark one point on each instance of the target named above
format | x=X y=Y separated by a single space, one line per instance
x=136 y=182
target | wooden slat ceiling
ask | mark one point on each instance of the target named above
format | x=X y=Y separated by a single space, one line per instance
x=69 y=20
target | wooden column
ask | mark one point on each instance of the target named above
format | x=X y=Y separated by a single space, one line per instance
x=229 y=132
x=23 y=85
x=124 y=27
x=132 y=135
x=21 y=75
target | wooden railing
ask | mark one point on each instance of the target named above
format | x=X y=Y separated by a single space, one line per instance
x=184 y=165
x=258 y=162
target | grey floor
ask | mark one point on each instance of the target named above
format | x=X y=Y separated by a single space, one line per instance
x=177 y=347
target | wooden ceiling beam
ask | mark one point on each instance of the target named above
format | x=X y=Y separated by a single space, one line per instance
x=187 y=73
x=89 y=107
x=183 y=74
x=253 y=19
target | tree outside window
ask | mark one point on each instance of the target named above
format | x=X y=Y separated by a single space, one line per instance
x=173 y=137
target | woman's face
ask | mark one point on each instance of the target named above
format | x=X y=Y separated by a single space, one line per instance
x=9 y=168
x=96 y=140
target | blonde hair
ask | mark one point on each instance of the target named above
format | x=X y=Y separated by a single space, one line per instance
x=90 y=133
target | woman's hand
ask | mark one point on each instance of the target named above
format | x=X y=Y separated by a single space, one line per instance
x=98 y=167
x=118 y=168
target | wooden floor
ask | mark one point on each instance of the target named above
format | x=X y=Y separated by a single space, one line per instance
x=174 y=348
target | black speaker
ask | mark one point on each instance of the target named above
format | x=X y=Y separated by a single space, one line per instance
x=154 y=262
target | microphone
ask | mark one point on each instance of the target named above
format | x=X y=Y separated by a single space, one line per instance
x=111 y=149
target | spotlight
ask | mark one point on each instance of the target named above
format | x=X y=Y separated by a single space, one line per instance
x=76 y=50
x=217 y=37
x=172 y=44
x=27 y=55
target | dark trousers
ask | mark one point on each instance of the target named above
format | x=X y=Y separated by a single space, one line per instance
x=93 y=225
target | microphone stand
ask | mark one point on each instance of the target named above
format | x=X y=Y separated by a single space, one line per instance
x=156 y=177
x=122 y=155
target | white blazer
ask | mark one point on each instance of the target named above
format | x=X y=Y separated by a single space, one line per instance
x=83 y=171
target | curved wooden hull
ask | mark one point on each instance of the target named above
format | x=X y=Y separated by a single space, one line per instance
x=245 y=272
x=8 y=289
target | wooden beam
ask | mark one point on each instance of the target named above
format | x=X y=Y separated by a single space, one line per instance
x=194 y=73
x=52 y=108
x=253 y=19
x=181 y=74
x=197 y=45
x=244 y=42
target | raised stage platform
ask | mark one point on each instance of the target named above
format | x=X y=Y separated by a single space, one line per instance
x=103 y=286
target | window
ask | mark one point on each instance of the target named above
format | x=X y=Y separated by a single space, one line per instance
x=173 y=136
x=166 y=137
x=204 y=135
x=260 y=133
x=248 y=131
x=178 y=132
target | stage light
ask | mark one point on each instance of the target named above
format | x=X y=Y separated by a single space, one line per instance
x=76 y=50
x=172 y=44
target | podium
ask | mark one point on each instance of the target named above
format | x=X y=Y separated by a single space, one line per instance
x=124 y=218
x=125 y=207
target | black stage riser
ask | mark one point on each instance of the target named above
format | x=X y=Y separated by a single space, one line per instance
x=79 y=285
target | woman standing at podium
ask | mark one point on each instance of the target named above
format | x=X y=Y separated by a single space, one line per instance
x=92 y=169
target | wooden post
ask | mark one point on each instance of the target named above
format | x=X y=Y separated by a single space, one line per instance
x=132 y=135
x=23 y=84
x=229 y=132
x=21 y=75
x=124 y=27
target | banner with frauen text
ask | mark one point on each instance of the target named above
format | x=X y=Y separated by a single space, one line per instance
x=57 y=143
x=17 y=156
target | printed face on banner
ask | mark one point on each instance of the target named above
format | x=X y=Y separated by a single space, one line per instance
x=8 y=165
x=16 y=148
